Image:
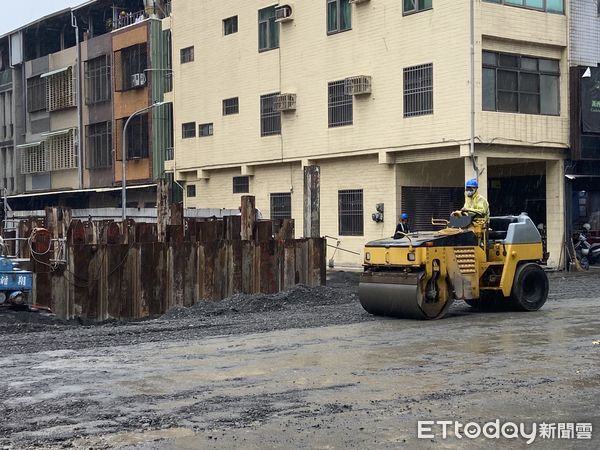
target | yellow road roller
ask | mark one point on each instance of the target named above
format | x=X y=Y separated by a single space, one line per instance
x=419 y=275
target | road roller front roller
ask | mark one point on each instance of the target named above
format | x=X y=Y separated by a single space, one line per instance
x=421 y=274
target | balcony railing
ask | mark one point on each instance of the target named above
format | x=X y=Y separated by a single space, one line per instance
x=122 y=18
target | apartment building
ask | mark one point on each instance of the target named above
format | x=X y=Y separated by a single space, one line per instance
x=378 y=95
x=71 y=80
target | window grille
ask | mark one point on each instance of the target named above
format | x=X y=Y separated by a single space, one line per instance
x=191 y=190
x=205 y=129
x=339 y=16
x=520 y=84
x=418 y=90
x=36 y=94
x=230 y=25
x=133 y=61
x=62 y=151
x=59 y=90
x=34 y=159
x=340 y=105
x=6 y=115
x=241 y=185
x=412 y=6
x=268 y=29
x=281 y=205
x=186 y=55
x=137 y=137
x=231 y=106
x=350 y=212
x=99 y=145
x=270 y=119
x=97 y=80
x=188 y=130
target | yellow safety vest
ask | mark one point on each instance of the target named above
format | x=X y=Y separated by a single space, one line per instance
x=478 y=204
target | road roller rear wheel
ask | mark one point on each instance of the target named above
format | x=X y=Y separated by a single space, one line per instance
x=530 y=288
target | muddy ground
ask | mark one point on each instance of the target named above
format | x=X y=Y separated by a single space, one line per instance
x=304 y=369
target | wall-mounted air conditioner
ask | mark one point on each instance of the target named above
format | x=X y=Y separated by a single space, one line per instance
x=359 y=85
x=285 y=102
x=283 y=13
x=138 y=79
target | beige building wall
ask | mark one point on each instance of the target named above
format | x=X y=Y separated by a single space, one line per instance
x=382 y=150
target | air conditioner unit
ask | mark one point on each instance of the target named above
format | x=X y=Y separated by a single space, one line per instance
x=283 y=13
x=285 y=102
x=358 y=1
x=138 y=79
x=359 y=85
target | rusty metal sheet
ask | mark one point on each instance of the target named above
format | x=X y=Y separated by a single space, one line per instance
x=268 y=277
x=146 y=232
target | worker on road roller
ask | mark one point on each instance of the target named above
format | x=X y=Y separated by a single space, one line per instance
x=402 y=228
x=475 y=203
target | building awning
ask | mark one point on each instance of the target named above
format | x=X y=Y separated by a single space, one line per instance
x=56 y=133
x=54 y=72
x=79 y=191
x=29 y=145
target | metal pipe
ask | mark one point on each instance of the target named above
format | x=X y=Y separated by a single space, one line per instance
x=78 y=90
x=472 y=82
x=124 y=158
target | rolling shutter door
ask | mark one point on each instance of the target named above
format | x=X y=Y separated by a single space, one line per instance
x=424 y=203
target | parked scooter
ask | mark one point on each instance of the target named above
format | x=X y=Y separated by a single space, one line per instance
x=587 y=254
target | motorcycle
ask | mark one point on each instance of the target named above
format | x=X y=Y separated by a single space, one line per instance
x=587 y=254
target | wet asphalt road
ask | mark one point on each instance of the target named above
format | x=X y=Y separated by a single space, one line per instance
x=303 y=375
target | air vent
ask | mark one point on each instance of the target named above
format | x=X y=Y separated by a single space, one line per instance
x=283 y=13
x=359 y=85
x=285 y=102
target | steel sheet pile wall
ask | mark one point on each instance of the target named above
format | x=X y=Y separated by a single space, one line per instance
x=131 y=275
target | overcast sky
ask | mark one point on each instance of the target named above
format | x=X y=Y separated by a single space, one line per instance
x=16 y=13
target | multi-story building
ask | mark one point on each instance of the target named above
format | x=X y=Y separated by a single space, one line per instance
x=75 y=77
x=385 y=96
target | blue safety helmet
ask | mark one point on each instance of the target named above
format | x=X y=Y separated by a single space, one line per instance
x=472 y=183
x=404 y=216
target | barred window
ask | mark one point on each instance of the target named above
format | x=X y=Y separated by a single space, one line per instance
x=191 y=190
x=231 y=106
x=520 y=84
x=99 y=145
x=97 y=80
x=133 y=61
x=188 y=130
x=137 y=137
x=205 y=129
x=350 y=212
x=270 y=120
x=241 y=185
x=6 y=115
x=59 y=90
x=412 y=6
x=268 y=29
x=230 y=25
x=34 y=158
x=62 y=152
x=186 y=54
x=418 y=90
x=281 y=205
x=339 y=16
x=340 y=105
x=36 y=94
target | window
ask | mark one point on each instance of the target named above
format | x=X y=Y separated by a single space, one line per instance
x=554 y=6
x=418 y=90
x=191 y=190
x=33 y=158
x=59 y=90
x=133 y=62
x=231 y=106
x=413 y=6
x=7 y=175
x=281 y=206
x=97 y=80
x=205 y=129
x=6 y=115
x=340 y=105
x=188 y=130
x=268 y=29
x=62 y=151
x=36 y=94
x=270 y=120
x=241 y=185
x=137 y=137
x=339 y=16
x=230 y=25
x=350 y=212
x=186 y=55
x=99 y=145
x=520 y=84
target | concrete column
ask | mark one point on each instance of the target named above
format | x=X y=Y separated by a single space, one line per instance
x=555 y=211
x=312 y=201
x=483 y=173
